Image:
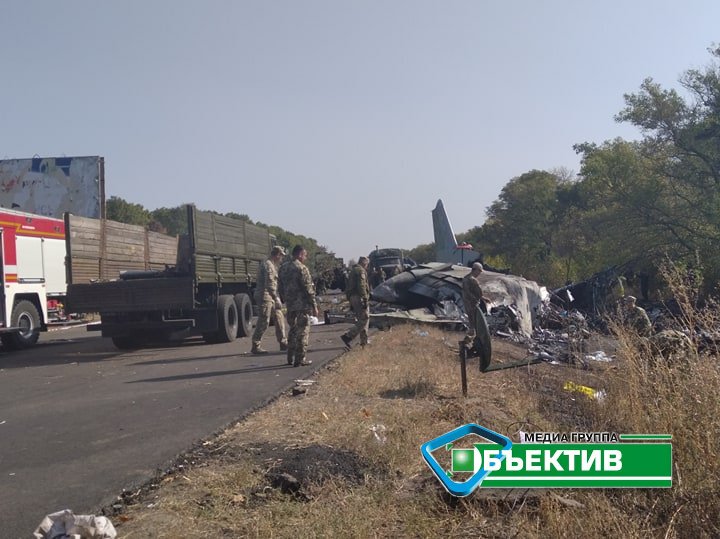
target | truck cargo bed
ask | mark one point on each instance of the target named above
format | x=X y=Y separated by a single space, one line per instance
x=132 y=295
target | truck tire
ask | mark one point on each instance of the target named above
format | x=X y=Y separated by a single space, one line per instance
x=126 y=342
x=227 y=320
x=245 y=314
x=26 y=316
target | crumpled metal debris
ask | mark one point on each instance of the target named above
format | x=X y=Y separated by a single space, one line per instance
x=448 y=310
x=434 y=283
x=599 y=355
x=505 y=319
x=66 y=525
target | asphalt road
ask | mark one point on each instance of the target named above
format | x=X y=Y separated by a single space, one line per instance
x=80 y=420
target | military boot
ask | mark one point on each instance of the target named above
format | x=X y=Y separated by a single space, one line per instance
x=257 y=350
x=302 y=362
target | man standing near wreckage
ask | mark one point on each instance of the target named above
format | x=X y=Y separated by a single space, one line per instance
x=268 y=301
x=358 y=293
x=298 y=292
x=472 y=297
x=636 y=317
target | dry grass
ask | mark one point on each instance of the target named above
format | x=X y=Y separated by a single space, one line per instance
x=372 y=409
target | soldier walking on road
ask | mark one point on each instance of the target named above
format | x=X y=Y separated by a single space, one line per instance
x=298 y=292
x=268 y=301
x=358 y=293
x=472 y=297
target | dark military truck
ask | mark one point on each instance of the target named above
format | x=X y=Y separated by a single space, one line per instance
x=390 y=261
x=148 y=286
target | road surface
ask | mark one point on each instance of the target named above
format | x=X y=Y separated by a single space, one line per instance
x=80 y=420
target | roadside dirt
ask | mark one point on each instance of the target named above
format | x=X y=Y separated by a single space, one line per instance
x=354 y=434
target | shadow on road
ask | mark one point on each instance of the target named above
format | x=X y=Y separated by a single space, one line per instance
x=241 y=355
x=212 y=374
x=59 y=352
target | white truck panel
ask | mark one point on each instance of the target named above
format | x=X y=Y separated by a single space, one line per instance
x=53 y=252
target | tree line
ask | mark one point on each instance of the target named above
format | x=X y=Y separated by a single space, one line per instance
x=173 y=221
x=634 y=204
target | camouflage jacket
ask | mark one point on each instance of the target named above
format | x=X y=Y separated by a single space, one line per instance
x=357 y=284
x=638 y=319
x=471 y=291
x=296 y=286
x=267 y=282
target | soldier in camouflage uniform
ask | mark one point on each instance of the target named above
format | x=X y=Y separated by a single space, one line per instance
x=472 y=296
x=298 y=292
x=672 y=344
x=636 y=317
x=358 y=293
x=268 y=301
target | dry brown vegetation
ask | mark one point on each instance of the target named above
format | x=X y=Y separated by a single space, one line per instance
x=352 y=447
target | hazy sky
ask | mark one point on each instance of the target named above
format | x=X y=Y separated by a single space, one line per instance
x=341 y=120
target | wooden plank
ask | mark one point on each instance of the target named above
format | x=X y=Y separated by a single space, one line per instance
x=132 y=295
x=85 y=270
x=86 y=235
x=85 y=250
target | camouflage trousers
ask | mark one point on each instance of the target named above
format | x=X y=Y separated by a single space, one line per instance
x=299 y=322
x=472 y=321
x=362 y=314
x=472 y=315
x=268 y=312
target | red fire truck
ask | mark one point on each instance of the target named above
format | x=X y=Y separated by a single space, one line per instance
x=33 y=275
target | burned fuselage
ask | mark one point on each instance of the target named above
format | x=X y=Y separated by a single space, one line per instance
x=435 y=283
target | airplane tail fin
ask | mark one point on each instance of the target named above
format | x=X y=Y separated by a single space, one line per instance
x=445 y=242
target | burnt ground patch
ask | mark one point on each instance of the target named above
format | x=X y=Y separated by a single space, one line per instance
x=288 y=470
x=294 y=470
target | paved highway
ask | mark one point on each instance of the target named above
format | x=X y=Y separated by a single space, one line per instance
x=80 y=420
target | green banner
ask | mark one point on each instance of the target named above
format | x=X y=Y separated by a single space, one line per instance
x=588 y=465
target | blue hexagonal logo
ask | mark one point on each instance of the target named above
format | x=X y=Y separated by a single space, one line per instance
x=463 y=460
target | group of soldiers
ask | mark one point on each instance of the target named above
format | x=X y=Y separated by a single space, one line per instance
x=292 y=284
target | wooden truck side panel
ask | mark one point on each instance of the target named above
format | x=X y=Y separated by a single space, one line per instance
x=136 y=295
x=98 y=250
x=226 y=250
x=203 y=285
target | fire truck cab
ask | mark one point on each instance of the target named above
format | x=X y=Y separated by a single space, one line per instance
x=32 y=273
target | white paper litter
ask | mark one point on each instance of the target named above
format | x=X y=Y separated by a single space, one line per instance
x=66 y=525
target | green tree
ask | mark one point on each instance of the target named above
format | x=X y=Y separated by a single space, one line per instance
x=666 y=189
x=119 y=209
x=239 y=216
x=422 y=253
x=172 y=220
x=522 y=222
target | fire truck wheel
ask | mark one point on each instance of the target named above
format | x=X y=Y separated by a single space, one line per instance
x=25 y=316
x=245 y=313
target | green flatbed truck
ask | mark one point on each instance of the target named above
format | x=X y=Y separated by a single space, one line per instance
x=147 y=286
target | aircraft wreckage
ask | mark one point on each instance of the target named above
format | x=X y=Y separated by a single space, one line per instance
x=438 y=286
x=433 y=291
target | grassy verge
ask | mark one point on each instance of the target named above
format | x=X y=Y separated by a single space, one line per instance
x=343 y=459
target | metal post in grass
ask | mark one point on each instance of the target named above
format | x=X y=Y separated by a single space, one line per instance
x=463 y=367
